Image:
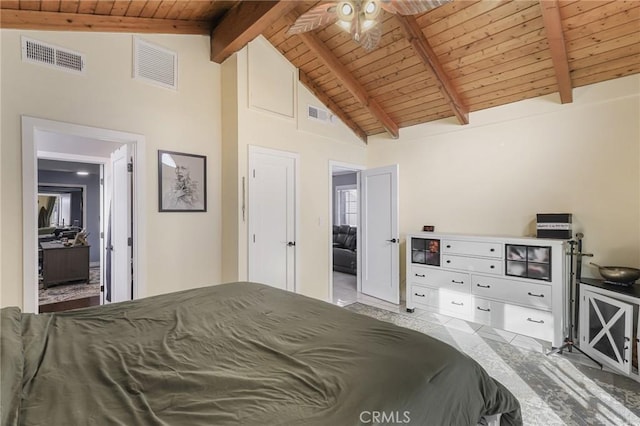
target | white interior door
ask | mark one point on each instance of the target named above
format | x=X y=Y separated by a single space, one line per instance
x=272 y=218
x=380 y=243
x=119 y=241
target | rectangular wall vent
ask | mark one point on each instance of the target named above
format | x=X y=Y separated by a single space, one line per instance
x=154 y=64
x=37 y=52
x=320 y=114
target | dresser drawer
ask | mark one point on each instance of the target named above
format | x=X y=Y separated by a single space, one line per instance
x=438 y=278
x=473 y=264
x=481 y=311
x=419 y=296
x=472 y=248
x=452 y=303
x=446 y=301
x=521 y=320
x=512 y=291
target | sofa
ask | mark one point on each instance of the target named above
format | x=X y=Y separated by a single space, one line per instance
x=344 y=249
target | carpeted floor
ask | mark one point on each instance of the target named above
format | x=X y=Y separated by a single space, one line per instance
x=552 y=390
x=64 y=292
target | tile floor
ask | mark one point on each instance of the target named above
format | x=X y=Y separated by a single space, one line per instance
x=553 y=390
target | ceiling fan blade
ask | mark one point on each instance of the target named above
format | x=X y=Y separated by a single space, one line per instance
x=370 y=39
x=315 y=17
x=411 y=7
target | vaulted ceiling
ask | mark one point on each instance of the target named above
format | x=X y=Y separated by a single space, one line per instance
x=464 y=56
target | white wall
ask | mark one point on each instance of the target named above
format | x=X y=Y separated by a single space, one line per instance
x=535 y=156
x=183 y=250
x=316 y=144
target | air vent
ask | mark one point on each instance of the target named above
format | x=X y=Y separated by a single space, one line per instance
x=320 y=114
x=154 y=64
x=41 y=53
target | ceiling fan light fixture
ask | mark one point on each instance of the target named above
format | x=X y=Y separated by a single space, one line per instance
x=368 y=24
x=371 y=10
x=345 y=11
x=346 y=26
x=359 y=18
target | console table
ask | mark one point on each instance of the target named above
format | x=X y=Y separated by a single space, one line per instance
x=62 y=264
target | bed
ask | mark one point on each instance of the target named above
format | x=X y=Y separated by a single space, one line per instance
x=235 y=354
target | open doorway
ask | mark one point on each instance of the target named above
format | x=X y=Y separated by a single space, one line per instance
x=117 y=256
x=377 y=256
x=69 y=199
x=344 y=218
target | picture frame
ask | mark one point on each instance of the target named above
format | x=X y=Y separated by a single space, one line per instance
x=182 y=182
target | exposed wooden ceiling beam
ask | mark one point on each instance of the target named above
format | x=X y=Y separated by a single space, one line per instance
x=423 y=49
x=350 y=83
x=54 y=21
x=243 y=23
x=555 y=37
x=329 y=103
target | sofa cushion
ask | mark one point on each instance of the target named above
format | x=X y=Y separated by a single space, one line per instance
x=351 y=240
x=342 y=234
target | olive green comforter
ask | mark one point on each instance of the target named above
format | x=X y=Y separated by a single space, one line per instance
x=235 y=354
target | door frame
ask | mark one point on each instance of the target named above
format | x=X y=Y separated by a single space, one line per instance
x=356 y=168
x=255 y=149
x=31 y=125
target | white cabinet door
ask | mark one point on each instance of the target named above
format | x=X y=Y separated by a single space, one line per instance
x=605 y=330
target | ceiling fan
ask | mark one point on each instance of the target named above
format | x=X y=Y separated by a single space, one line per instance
x=360 y=18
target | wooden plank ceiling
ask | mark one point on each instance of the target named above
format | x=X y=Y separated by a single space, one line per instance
x=464 y=56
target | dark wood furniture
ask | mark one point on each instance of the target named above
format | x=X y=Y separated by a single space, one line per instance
x=62 y=264
x=68 y=305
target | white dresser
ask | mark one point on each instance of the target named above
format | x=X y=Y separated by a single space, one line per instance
x=515 y=284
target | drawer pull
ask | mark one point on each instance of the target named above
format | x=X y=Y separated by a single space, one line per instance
x=457 y=282
x=537 y=322
x=419 y=295
x=492 y=266
x=419 y=275
x=457 y=303
x=483 y=286
x=448 y=261
x=492 y=250
x=535 y=295
x=482 y=309
x=448 y=245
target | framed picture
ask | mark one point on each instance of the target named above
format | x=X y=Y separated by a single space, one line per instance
x=182 y=182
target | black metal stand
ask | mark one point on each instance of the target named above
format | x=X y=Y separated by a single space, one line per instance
x=569 y=344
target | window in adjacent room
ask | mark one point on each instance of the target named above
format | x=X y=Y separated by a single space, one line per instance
x=347 y=205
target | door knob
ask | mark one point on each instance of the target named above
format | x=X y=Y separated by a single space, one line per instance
x=291 y=243
x=393 y=240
